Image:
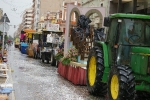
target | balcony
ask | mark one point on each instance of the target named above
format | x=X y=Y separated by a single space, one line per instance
x=27 y=25
x=28 y=22
x=28 y=19
x=33 y=5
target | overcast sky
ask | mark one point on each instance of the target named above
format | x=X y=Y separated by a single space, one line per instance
x=14 y=10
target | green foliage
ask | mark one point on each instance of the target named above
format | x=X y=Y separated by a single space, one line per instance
x=71 y=56
x=60 y=54
x=66 y=61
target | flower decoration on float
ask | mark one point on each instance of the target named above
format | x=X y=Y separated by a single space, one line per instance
x=60 y=54
x=71 y=56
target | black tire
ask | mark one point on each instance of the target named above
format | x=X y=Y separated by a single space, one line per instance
x=142 y=95
x=53 y=60
x=47 y=61
x=97 y=88
x=34 y=56
x=126 y=83
x=42 y=58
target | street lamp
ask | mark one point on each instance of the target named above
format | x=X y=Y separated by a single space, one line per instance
x=4 y=20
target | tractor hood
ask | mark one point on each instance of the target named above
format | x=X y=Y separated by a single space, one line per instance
x=144 y=50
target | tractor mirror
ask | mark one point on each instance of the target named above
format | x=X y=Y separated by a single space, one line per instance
x=106 y=21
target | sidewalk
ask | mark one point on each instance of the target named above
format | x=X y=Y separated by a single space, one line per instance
x=10 y=81
x=7 y=81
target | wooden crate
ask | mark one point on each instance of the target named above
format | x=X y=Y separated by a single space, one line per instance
x=3 y=97
x=30 y=53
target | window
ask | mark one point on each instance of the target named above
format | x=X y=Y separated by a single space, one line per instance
x=132 y=32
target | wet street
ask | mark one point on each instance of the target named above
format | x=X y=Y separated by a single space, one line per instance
x=34 y=80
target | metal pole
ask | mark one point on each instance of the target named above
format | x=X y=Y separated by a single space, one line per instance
x=3 y=36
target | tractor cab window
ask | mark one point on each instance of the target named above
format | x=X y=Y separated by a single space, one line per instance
x=147 y=33
x=131 y=32
x=113 y=29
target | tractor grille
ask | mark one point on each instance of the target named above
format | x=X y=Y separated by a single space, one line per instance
x=148 y=70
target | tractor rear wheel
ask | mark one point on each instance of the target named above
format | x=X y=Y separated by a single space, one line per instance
x=94 y=73
x=121 y=83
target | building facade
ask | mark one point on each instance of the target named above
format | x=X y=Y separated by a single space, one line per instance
x=1 y=13
x=27 y=18
x=36 y=12
x=53 y=11
x=111 y=6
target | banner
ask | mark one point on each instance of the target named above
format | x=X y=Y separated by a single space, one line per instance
x=52 y=27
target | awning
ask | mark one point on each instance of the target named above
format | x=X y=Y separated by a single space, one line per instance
x=29 y=30
x=35 y=32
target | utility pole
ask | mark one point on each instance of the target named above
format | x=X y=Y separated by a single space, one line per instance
x=3 y=36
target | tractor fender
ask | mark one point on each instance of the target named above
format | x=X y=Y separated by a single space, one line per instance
x=106 y=60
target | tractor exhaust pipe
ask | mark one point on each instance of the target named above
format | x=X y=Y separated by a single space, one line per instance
x=119 y=10
x=134 y=6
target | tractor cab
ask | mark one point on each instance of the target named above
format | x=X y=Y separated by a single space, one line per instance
x=127 y=33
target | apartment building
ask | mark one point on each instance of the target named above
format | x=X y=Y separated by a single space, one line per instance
x=1 y=13
x=36 y=12
x=52 y=11
x=27 y=18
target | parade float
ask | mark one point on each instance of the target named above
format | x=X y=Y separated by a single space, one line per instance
x=33 y=39
x=72 y=59
x=25 y=40
x=17 y=42
x=51 y=39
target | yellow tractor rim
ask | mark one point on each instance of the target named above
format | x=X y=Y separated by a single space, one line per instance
x=114 y=87
x=92 y=71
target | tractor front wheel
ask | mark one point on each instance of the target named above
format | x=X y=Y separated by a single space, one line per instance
x=121 y=84
x=95 y=69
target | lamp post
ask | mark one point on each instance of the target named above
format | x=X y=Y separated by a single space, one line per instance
x=3 y=36
x=4 y=19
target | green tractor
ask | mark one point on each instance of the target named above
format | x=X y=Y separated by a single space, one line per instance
x=120 y=65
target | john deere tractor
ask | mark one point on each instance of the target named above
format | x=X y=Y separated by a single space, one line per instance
x=120 y=65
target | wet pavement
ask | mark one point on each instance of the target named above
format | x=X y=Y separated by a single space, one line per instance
x=33 y=80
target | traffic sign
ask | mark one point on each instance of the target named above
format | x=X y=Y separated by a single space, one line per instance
x=6 y=18
x=2 y=27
